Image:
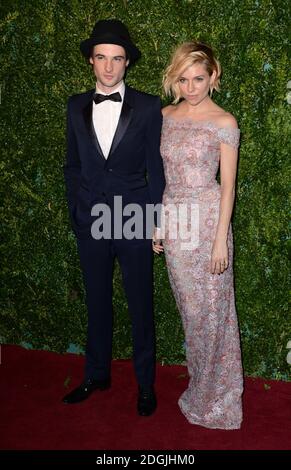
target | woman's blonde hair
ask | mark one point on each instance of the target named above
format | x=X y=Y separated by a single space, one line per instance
x=184 y=56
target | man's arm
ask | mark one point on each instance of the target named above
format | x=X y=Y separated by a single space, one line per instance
x=72 y=167
x=155 y=170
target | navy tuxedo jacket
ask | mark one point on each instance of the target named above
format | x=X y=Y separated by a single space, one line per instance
x=133 y=168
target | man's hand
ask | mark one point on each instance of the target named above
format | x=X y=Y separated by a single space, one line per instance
x=157 y=243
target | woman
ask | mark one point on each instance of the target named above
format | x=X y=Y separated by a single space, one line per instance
x=198 y=136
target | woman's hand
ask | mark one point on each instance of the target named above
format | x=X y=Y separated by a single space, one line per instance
x=157 y=243
x=219 y=257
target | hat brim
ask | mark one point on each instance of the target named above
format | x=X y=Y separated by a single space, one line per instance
x=132 y=51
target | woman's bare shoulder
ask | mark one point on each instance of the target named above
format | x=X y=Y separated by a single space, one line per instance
x=168 y=110
x=226 y=119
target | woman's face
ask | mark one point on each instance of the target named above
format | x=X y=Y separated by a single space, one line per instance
x=194 y=83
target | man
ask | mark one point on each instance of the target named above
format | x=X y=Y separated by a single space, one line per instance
x=113 y=139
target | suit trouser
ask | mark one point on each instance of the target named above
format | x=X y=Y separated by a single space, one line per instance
x=136 y=261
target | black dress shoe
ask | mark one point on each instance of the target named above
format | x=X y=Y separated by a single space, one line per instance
x=146 y=401
x=85 y=389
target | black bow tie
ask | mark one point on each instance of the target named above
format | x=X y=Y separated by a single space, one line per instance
x=98 y=98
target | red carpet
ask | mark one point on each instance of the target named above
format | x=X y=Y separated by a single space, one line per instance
x=33 y=417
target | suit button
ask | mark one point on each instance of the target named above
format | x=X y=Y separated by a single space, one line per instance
x=109 y=169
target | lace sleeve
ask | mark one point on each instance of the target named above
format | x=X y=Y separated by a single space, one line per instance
x=229 y=135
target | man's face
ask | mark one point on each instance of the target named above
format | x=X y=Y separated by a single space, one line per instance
x=109 y=64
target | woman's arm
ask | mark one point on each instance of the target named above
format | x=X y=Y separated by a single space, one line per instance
x=228 y=170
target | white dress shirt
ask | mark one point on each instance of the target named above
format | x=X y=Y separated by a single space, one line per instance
x=105 y=117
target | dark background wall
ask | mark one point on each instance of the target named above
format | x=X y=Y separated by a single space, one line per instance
x=42 y=300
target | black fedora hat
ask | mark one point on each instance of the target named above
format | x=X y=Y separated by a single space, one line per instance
x=110 y=32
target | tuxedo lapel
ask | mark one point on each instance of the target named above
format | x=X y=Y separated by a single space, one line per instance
x=87 y=114
x=123 y=123
x=124 y=120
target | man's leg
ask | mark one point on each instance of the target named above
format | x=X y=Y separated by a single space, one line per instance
x=97 y=260
x=136 y=262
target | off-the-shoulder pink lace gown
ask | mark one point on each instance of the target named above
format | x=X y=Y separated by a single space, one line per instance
x=191 y=155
